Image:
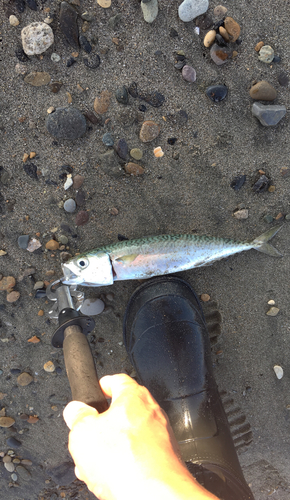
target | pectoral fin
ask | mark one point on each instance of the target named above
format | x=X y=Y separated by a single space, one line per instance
x=127 y=259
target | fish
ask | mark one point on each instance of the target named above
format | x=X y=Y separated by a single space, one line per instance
x=155 y=256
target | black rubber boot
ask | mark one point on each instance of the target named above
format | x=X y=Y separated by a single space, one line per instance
x=167 y=340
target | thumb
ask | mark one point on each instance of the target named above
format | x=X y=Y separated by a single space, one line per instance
x=75 y=411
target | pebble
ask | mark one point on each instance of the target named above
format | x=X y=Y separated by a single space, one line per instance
x=36 y=38
x=13 y=20
x=224 y=34
x=12 y=296
x=107 y=139
x=66 y=123
x=266 y=54
x=78 y=181
x=220 y=55
x=241 y=214
x=102 y=103
x=14 y=476
x=136 y=153
x=33 y=245
x=7 y=459
x=55 y=87
x=273 y=311
x=70 y=62
x=7 y=283
x=271 y=302
x=205 y=297
x=179 y=64
x=32 y=4
x=23 y=241
x=220 y=11
x=92 y=61
x=52 y=245
x=55 y=57
x=82 y=218
x=24 y=379
x=268 y=115
x=134 y=169
x=49 y=367
x=37 y=78
x=233 y=28
x=104 y=3
x=283 y=79
x=262 y=184
x=6 y=421
x=217 y=92
x=92 y=307
x=278 y=371
x=122 y=95
x=150 y=10
x=268 y=218
x=238 y=182
x=259 y=46
x=69 y=205
x=209 y=38
x=68 y=24
x=158 y=153
x=263 y=91
x=9 y=466
x=86 y=16
x=15 y=371
x=13 y=443
x=149 y=131
x=31 y=170
x=85 y=44
x=190 y=9
x=188 y=73
x=23 y=473
x=113 y=211
x=122 y=149
x=68 y=183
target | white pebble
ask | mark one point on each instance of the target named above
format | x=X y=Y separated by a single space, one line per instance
x=36 y=38
x=69 y=205
x=196 y=30
x=49 y=111
x=273 y=311
x=69 y=182
x=279 y=371
x=14 y=477
x=271 y=302
x=9 y=466
x=190 y=9
x=13 y=20
x=92 y=307
x=55 y=57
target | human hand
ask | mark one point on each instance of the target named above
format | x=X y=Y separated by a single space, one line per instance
x=129 y=451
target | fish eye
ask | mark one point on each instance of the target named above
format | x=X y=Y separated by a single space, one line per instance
x=83 y=263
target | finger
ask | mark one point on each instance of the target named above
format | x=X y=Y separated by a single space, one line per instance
x=114 y=385
x=76 y=411
x=78 y=474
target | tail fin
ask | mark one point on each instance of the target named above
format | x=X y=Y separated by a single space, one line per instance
x=261 y=243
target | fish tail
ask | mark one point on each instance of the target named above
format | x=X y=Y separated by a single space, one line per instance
x=261 y=243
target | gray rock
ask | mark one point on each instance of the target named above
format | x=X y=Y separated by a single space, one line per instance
x=9 y=466
x=108 y=139
x=122 y=149
x=150 y=10
x=190 y=9
x=69 y=205
x=267 y=114
x=63 y=474
x=66 y=123
x=23 y=241
x=13 y=443
x=68 y=24
x=14 y=476
x=23 y=473
x=122 y=95
x=36 y=38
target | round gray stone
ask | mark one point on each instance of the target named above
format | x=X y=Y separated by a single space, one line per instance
x=268 y=115
x=190 y=9
x=66 y=123
x=108 y=139
x=69 y=205
x=150 y=10
x=23 y=241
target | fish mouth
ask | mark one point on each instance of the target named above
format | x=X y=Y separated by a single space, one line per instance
x=70 y=278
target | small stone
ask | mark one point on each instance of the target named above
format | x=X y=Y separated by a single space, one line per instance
x=49 y=367
x=68 y=24
x=241 y=214
x=209 y=38
x=78 y=181
x=55 y=87
x=6 y=284
x=38 y=285
x=190 y=9
x=15 y=371
x=24 y=379
x=12 y=296
x=82 y=218
x=70 y=62
x=6 y=421
x=271 y=189
x=66 y=123
x=205 y=297
x=13 y=20
x=55 y=57
x=266 y=54
x=13 y=443
x=32 y=4
x=278 y=371
x=259 y=46
x=220 y=11
x=134 y=169
x=34 y=340
x=149 y=131
x=233 y=28
x=220 y=55
x=158 y=153
x=179 y=64
x=189 y=73
x=122 y=95
x=105 y=4
x=36 y=38
x=217 y=93
x=276 y=59
x=263 y=91
x=271 y=302
x=224 y=34
x=69 y=205
x=268 y=219
x=52 y=245
x=86 y=16
x=31 y=170
x=268 y=115
x=283 y=79
x=33 y=245
x=262 y=184
x=64 y=241
x=14 y=476
x=32 y=419
x=37 y=78
x=150 y=10
x=68 y=183
x=107 y=139
x=122 y=149
x=114 y=211
x=85 y=44
x=50 y=110
x=238 y=182
x=23 y=473
x=92 y=61
x=23 y=241
x=80 y=198
x=136 y=153
x=9 y=466
x=7 y=459
x=92 y=307
x=102 y=102
x=273 y=311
